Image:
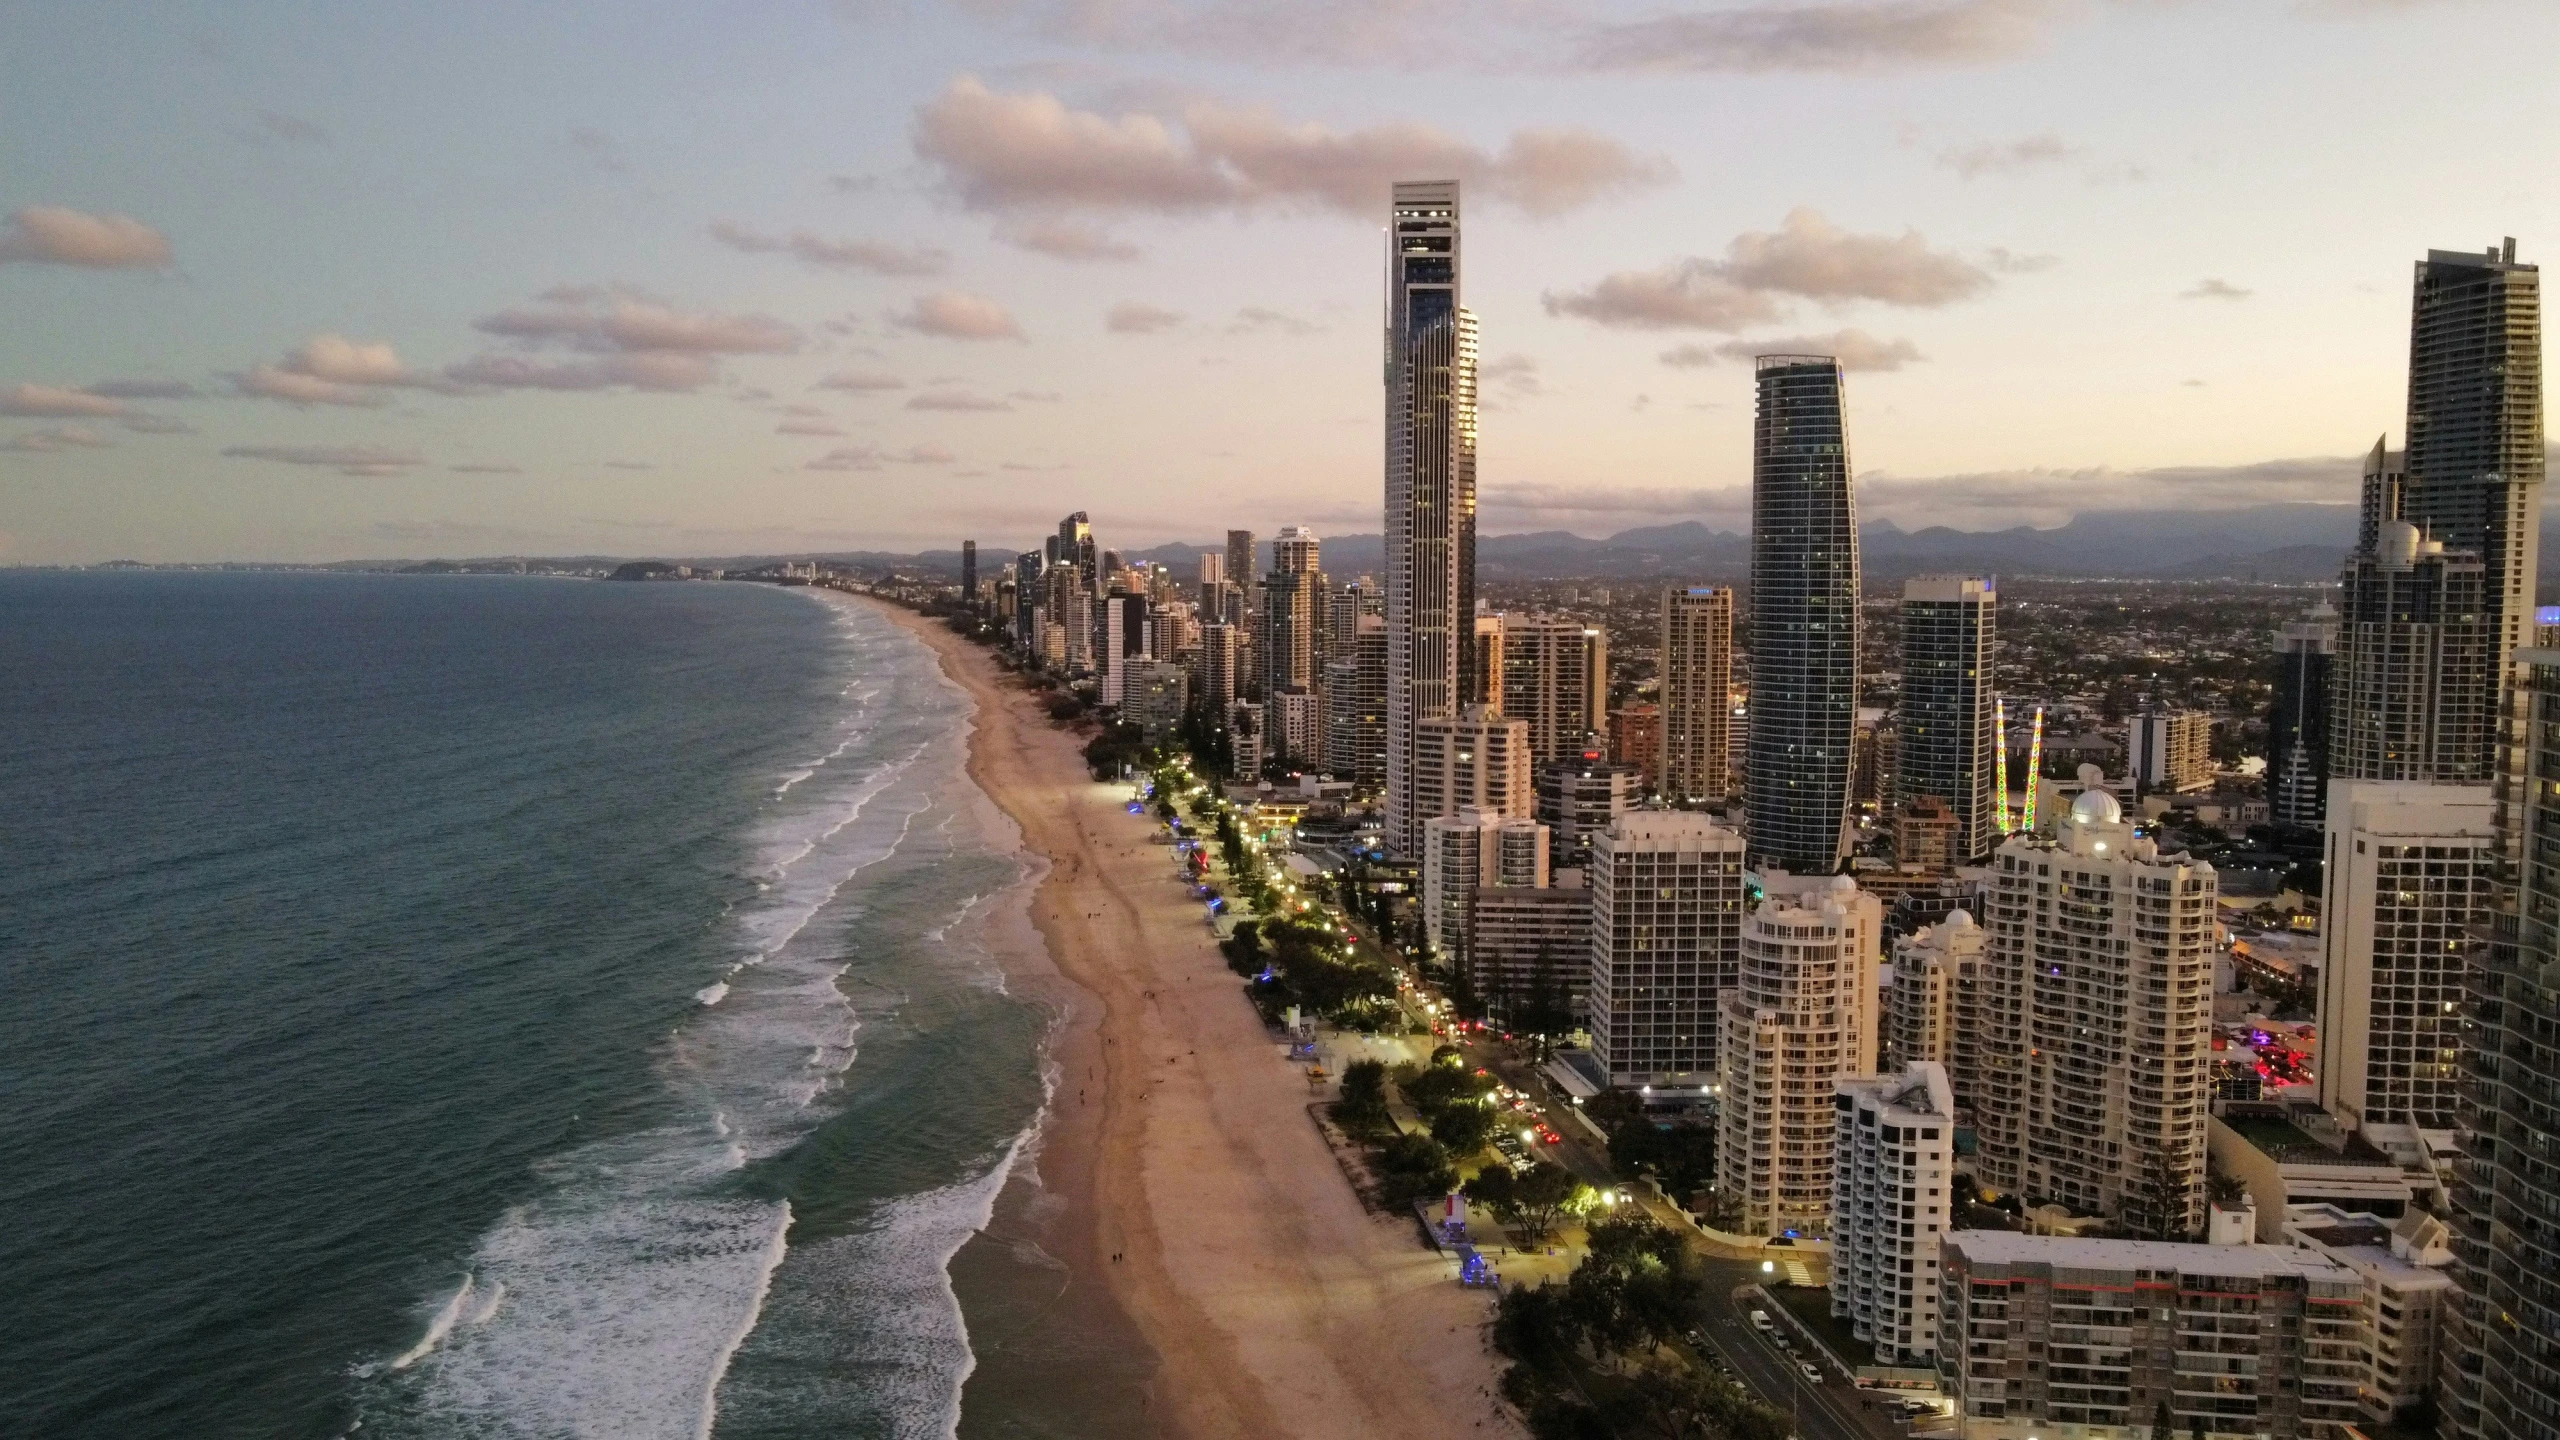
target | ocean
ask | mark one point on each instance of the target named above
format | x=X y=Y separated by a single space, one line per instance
x=463 y=1006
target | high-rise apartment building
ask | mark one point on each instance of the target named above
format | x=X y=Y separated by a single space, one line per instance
x=1475 y=759
x=2476 y=451
x=1237 y=565
x=1213 y=572
x=1555 y=676
x=1529 y=953
x=1355 y=701
x=1804 y=617
x=1484 y=663
x=1927 y=833
x=2406 y=879
x=1892 y=1199
x=1345 y=608
x=1220 y=666
x=1027 y=596
x=2039 y=1333
x=1933 y=1009
x=2171 y=749
x=2407 y=698
x=1297 y=726
x=1577 y=798
x=969 y=573
x=2502 y=1378
x=2298 y=722
x=1291 y=600
x=1635 y=738
x=1124 y=630
x=1472 y=851
x=1943 y=739
x=1694 y=761
x=1801 y=1014
x=1430 y=531
x=1666 y=939
x=2097 y=1022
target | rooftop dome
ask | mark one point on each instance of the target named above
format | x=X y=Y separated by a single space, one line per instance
x=2096 y=807
x=1958 y=919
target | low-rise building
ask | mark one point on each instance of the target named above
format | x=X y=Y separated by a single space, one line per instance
x=2406 y=1289
x=2044 y=1335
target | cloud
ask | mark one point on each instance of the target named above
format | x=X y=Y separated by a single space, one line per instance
x=861 y=382
x=1807 y=256
x=826 y=254
x=871 y=457
x=1031 y=152
x=956 y=400
x=629 y=465
x=1854 y=349
x=957 y=315
x=55 y=438
x=485 y=469
x=2010 y=262
x=1133 y=317
x=1067 y=240
x=157 y=425
x=144 y=389
x=1514 y=375
x=2215 y=289
x=600 y=149
x=1258 y=319
x=1845 y=35
x=807 y=426
x=331 y=369
x=345 y=459
x=56 y=235
x=52 y=402
x=852 y=184
x=924 y=455
x=2006 y=157
x=1038 y=397
x=620 y=339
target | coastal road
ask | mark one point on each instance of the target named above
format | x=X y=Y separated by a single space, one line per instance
x=1832 y=1410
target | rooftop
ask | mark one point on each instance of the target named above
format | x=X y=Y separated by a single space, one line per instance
x=2001 y=1247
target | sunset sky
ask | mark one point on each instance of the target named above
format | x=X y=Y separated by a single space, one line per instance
x=305 y=282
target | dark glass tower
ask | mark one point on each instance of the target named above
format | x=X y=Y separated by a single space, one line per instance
x=2298 y=726
x=1431 y=485
x=2475 y=458
x=1944 y=744
x=969 y=573
x=1804 y=617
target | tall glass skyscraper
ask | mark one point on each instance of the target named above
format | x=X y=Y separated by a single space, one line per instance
x=1944 y=732
x=1804 y=617
x=1431 y=485
x=2475 y=459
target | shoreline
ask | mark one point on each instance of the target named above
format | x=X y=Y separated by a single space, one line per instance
x=1178 y=1177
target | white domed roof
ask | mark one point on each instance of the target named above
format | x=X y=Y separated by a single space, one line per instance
x=2096 y=807
x=1958 y=919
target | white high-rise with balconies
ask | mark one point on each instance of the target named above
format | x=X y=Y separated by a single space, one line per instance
x=1666 y=931
x=1801 y=1015
x=1892 y=1193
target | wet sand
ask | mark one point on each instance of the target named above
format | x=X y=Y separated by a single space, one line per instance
x=1180 y=1164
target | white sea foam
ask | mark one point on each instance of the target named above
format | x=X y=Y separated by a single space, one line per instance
x=438 y=1326
x=713 y=993
x=488 y=1309
x=773 y=1252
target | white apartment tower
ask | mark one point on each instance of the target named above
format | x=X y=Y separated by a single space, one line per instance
x=2097 y=1015
x=1893 y=1152
x=1475 y=759
x=1801 y=1015
x=1470 y=851
x=2407 y=877
x=1933 y=1007
x=1666 y=936
x=2172 y=749
x=1430 y=487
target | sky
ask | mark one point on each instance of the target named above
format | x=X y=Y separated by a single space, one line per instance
x=305 y=282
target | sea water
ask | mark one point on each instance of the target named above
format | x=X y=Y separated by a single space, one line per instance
x=462 y=1006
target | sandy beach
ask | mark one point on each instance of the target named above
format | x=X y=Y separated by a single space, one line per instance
x=1192 y=1178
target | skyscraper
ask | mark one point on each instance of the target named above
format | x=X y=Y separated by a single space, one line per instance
x=1666 y=937
x=1238 y=567
x=1290 y=598
x=1473 y=758
x=2096 y=1018
x=1430 y=484
x=1355 y=701
x=2502 y=1372
x=2475 y=458
x=1943 y=741
x=1213 y=572
x=1695 y=758
x=1804 y=616
x=2298 y=723
x=1555 y=675
x=969 y=573
x=1801 y=1014
x=2407 y=698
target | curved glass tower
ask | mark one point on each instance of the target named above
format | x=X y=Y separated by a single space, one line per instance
x=1804 y=617
x=1431 y=486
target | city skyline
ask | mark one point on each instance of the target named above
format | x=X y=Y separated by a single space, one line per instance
x=601 y=331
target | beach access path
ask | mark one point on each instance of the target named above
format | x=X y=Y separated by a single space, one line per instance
x=1180 y=1140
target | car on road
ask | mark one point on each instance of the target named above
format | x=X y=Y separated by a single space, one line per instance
x=1760 y=1321
x=1812 y=1372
